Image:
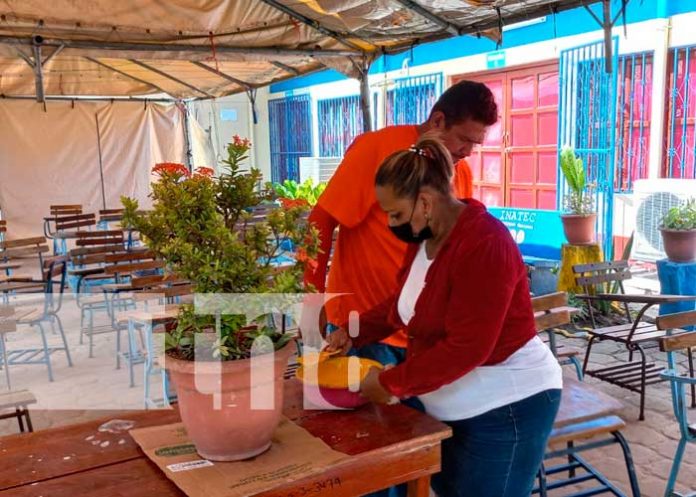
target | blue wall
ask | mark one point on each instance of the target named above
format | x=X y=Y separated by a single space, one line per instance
x=571 y=22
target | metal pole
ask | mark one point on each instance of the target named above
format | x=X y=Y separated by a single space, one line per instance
x=188 y=158
x=183 y=50
x=365 y=97
x=101 y=164
x=608 y=48
x=92 y=99
x=38 y=73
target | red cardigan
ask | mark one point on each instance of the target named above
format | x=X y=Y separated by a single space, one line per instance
x=474 y=309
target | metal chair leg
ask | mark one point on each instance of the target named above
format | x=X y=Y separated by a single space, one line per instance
x=543 y=491
x=578 y=368
x=91 y=332
x=587 y=354
x=65 y=341
x=30 y=427
x=630 y=468
x=131 y=353
x=47 y=354
x=20 y=421
x=643 y=365
x=82 y=324
x=5 y=362
x=690 y=355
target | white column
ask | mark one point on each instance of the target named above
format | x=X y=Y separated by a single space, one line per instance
x=659 y=88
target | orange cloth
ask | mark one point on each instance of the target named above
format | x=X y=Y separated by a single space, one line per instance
x=367 y=256
x=463 y=181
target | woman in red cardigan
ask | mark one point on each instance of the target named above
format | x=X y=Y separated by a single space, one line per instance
x=474 y=359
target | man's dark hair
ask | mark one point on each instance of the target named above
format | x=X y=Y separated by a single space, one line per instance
x=467 y=100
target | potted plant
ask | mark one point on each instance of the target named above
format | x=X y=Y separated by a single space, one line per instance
x=199 y=226
x=579 y=222
x=678 y=228
x=291 y=193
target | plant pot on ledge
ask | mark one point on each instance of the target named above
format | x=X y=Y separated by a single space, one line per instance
x=579 y=222
x=579 y=229
x=238 y=428
x=678 y=228
x=680 y=245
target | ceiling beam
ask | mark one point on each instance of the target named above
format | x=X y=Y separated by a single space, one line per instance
x=435 y=19
x=181 y=49
x=111 y=68
x=169 y=76
x=285 y=67
x=314 y=24
x=223 y=75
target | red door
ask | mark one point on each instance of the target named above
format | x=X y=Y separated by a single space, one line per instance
x=516 y=165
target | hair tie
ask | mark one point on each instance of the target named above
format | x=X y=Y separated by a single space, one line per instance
x=417 y=150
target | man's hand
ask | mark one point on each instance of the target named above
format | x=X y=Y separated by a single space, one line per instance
x=372 y=389
x=338 y=341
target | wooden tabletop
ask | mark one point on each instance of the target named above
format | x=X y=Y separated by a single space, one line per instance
x=640 y=298
x=389 y=445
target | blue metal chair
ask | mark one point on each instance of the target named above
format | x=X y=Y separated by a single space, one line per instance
x=678 y=382
x=53 y=274
x=550 y=311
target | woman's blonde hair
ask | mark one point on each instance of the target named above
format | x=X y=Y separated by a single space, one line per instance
x=427 y=163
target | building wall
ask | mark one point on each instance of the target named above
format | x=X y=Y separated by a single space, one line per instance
x=652 y=25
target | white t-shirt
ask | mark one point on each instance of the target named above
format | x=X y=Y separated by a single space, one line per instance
x=530 y=370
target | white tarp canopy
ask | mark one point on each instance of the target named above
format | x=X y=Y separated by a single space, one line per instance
x=52 y=156
x=212 y=48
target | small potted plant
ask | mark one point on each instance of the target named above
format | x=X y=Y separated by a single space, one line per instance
x=200 y=225
x=579 y=221
x=678 y=228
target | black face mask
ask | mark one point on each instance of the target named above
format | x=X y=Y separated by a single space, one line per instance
x=404 y=232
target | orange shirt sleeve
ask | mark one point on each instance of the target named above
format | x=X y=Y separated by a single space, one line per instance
x=463 y=180
x=351 y=191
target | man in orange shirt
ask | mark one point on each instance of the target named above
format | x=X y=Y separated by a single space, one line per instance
x=367 y=256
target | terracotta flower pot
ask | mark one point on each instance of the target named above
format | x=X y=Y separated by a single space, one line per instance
x=579 y=229
x=680 y=245
x=249 y=406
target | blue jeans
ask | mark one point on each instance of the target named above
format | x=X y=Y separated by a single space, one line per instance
x=498 y=453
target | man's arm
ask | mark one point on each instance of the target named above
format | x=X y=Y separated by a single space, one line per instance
x=325 y=224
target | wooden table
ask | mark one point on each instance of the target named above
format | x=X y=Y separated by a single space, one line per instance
x=396 y=445
x=399 y=445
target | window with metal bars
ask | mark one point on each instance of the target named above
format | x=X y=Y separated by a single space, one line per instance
x=290 y=123
x=410 y=99
x=633 y=109
x=340 y=121
x=680 y=139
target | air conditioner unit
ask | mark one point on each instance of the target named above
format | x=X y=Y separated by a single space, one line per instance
x=320 y=169
x=652 y=198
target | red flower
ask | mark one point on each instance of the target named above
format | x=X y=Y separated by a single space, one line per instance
x=290 y=203
x=171 y=168
x=204 y=171
x=301 y=256
x=240 y=142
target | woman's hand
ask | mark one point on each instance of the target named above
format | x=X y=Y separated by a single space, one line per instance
x=338 y=340
x=372 y=389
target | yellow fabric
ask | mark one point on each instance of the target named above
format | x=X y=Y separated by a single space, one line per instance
x=572 y=255
x=335 y=372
